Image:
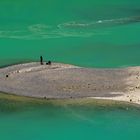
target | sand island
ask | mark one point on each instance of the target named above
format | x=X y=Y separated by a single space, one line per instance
x=59 y=81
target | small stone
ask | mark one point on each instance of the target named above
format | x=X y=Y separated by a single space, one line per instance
x=45 y=97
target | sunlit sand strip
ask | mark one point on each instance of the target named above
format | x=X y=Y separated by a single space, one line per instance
x=60 y=81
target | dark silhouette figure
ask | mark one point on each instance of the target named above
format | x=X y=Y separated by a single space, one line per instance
x=49 y=63
x=41 y=60
x=7 y=76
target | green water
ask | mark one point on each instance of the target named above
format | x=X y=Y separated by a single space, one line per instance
x=61 y=122
x=89 y=33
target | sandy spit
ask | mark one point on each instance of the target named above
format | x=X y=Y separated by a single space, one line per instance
x=68 y=81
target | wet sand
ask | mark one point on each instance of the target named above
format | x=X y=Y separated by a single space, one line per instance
x=59 y=81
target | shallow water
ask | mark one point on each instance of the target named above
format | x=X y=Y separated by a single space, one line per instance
x=71 y=122
x=87 y=33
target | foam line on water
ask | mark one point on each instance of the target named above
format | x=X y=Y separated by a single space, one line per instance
x=68 y=29
x=100 y=23
x=38 y=32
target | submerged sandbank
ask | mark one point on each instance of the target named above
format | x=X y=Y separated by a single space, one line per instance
x=64 y=81
x=10 y=102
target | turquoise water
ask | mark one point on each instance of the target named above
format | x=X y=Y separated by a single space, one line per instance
x=71 y=122
x=88 y=33
x=82 y=32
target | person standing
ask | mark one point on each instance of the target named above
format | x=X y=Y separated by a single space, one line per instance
x=41 y=60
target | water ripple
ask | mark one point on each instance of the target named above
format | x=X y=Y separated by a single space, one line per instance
x=68 y=29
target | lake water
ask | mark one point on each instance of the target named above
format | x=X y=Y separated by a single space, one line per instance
x=61 y=122
x=82 y=32
x=88 y=33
